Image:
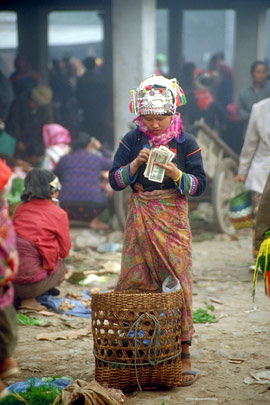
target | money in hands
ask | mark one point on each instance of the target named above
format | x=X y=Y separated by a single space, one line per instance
x=160 y=155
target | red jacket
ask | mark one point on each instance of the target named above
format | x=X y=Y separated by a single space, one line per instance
x=46 y=225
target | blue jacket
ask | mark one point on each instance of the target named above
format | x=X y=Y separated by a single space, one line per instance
x=187 y=158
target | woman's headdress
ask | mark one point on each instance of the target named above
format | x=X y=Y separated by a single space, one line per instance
x=157 y=95
x=55 y=134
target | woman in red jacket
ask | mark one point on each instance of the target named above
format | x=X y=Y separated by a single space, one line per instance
x=43 y=238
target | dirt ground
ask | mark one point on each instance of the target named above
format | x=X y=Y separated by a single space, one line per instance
x=227 y=353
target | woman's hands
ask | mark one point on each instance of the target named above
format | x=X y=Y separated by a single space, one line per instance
x=139 y=160
x=171 y=170
x=240 y=178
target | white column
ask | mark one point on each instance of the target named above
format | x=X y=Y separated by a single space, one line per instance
x=133 y=31
x=261 y=39
x=250 y=40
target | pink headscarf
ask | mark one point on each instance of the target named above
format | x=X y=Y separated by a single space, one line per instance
x=55 y=134
x=172 y=132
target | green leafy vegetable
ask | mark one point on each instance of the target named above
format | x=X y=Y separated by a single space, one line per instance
x=27 y=320
x=202 y=315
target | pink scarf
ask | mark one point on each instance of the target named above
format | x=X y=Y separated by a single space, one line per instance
x=173 y=131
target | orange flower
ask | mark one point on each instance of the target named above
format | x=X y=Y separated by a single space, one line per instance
x=4 y=231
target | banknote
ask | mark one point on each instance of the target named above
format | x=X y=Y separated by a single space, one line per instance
x=172 y=154
x=157 y=173
x=149 y=163
x=162 y=155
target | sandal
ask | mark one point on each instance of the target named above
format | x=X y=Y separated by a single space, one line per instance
x=195 y=374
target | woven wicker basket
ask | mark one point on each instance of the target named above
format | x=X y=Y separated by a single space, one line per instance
x=241 y=210
x=137 y=339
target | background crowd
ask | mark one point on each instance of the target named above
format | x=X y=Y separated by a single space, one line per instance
x=40 y=124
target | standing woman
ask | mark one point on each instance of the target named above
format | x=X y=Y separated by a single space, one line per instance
x=157 y=239
x=257 y=91
x=254 y=161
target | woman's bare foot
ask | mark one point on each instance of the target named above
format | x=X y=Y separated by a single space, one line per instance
x=97 y=224
x=31 y=303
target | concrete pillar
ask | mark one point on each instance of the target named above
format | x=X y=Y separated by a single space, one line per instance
x=32 y=29
x=249 y=40
x=261 y=39
x=133 y=59
x=176 y=40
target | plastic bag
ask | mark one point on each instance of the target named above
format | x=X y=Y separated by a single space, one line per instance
x=170 y=284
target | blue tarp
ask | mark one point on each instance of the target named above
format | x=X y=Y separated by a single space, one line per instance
x=23 y=386
x=79 y=308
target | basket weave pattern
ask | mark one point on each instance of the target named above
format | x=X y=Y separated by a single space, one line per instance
x=137 y=339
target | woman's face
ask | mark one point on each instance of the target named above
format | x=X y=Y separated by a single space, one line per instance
x=260 y=74
x=157 y=124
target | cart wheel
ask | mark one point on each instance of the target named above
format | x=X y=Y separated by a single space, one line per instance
x=223 y=190
x=121 y=199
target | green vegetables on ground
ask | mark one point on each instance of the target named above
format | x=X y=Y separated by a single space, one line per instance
x=42 y=395
x=203 y=316
x=28 y=320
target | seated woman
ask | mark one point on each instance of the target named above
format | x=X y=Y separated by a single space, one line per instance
x=43 y=238
x=80 y=173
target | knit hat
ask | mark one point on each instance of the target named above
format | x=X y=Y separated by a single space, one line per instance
x=5 y=173
x=157 y=95
x=42 y=95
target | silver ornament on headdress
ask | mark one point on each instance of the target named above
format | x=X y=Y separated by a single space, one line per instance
x=155 y=95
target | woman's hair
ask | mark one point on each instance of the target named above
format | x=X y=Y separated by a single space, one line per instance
x=37 y=185
x=255 y=64
x=80 y=140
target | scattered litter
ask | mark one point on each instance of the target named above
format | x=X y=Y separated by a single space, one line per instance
x=200 y=399
x=92 y=277
x=90 y=393
x=63 y=334
x=83 y=277
x=111 y=267
x=28 y=320
x=236 y=361
x=251 y=310
x=261 y=377
x=109 y=247
x=216 y=301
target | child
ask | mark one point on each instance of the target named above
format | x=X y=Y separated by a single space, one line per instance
x=56 y=140
x=157 y=239
x=43 y=238
x=8 y=269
